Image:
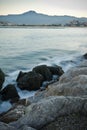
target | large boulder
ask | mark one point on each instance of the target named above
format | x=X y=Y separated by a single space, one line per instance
x=44 y=71
x=47 y=110
x=2 y=78
x=9 y=93
x=30 y=81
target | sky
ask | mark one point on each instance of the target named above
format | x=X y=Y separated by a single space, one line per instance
x=76 y=8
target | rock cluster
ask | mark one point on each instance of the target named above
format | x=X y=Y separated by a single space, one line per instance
x=66 y=99
x=62 y=105
x=33 y=80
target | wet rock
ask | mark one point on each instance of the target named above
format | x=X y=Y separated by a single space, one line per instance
x=56 y=70
x=2 y=78
x=9 y=93
x=85 y=56
x=47 y=110
x=20 y=75
x=4 y=126
x=44 y=71
x=30 y=81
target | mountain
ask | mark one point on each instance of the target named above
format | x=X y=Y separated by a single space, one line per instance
x=34 y=18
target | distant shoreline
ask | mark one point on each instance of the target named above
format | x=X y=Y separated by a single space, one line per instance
x=40 y=26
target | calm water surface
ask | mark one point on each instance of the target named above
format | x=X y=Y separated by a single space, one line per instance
x=23 y=48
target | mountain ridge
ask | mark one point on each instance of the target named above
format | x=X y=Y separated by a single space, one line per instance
x=33 y=18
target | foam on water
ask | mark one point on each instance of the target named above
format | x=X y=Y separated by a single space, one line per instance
x=25 y=94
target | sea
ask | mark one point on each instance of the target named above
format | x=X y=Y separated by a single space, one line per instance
x=22 y=48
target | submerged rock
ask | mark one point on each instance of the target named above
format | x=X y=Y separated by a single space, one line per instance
x=2 y=78
x=9 y=93
x=30 y=81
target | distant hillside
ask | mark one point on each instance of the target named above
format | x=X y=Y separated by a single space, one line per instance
x=33 y=18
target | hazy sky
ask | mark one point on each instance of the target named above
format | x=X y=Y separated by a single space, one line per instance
x=51 y=7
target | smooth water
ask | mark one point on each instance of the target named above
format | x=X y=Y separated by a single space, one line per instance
x=24 y=48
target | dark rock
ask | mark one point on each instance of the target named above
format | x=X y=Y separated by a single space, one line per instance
x=44 y=71
x=56 y=70
x=85 y=56
x=2 y=78
x=21 y=74
x=30 y=81
x=9 y=93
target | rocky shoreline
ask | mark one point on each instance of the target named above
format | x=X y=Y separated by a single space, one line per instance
x=62 y=105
